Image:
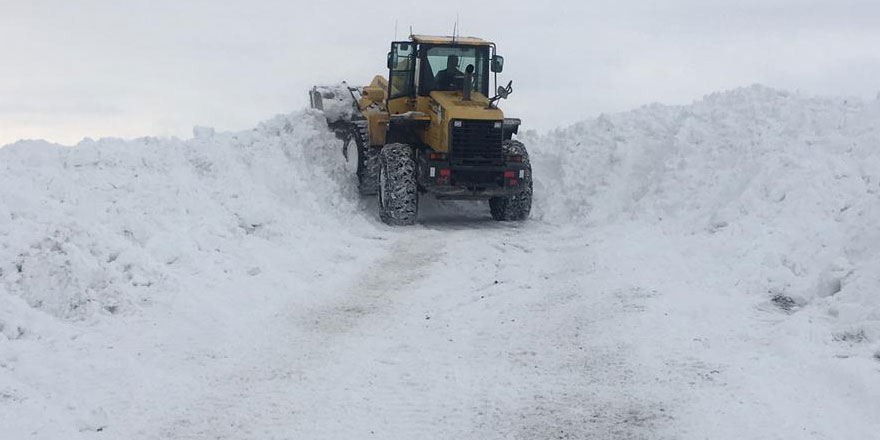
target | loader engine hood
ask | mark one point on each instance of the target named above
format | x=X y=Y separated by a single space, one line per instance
x=454 y=107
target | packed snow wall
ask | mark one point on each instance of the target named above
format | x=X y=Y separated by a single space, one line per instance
x=97 y=228
x=782 y=189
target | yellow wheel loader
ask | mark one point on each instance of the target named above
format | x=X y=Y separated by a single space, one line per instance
x=432 y=128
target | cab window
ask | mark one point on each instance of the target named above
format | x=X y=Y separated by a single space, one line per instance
x=443 y=68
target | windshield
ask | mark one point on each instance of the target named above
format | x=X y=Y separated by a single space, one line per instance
x=443 y=68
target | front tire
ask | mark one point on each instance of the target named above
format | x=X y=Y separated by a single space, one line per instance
x=398 y=187
x=516 y=207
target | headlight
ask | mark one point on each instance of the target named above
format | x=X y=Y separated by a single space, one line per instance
x=456 y=124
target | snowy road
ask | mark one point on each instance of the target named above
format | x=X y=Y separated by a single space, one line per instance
x=462 y=327
x=467 y=328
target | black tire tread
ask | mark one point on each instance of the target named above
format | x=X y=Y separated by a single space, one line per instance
x=368 y=170
x=400 y=205
x=515 y=207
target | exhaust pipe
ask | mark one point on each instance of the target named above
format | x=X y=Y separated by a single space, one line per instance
x=468 y=83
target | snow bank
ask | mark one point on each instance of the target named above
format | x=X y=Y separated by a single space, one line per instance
x=772 y=195
x=783 y=190
x=96 y=229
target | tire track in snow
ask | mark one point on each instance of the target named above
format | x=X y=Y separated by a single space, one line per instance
x=375 y=291
x=457 y=331
x=297 y=380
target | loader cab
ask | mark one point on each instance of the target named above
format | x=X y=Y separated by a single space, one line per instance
x=441 y=68
x=419 y=67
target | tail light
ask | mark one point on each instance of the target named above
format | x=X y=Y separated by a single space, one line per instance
x=443 y=178
x=437 y=156
x=510 y=177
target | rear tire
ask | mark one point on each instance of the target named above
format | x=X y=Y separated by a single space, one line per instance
x=368 y=170
x=398 y=188
x=516 y=207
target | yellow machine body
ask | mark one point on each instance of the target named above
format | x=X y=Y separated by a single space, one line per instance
x=432 y=113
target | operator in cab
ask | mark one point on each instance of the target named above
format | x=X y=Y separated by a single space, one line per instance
x=450 y=77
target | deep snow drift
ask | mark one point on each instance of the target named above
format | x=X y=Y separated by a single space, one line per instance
x=146 y=285
x=781 y=189
x=93 y=229
x=161 y=238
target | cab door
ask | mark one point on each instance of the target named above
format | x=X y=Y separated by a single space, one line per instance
x=401 y=76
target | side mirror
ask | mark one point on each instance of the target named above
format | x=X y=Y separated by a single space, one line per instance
x=503 y=93
x=497 y=63
x=390 y=60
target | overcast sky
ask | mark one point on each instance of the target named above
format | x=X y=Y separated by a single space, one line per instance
x=70 y=69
